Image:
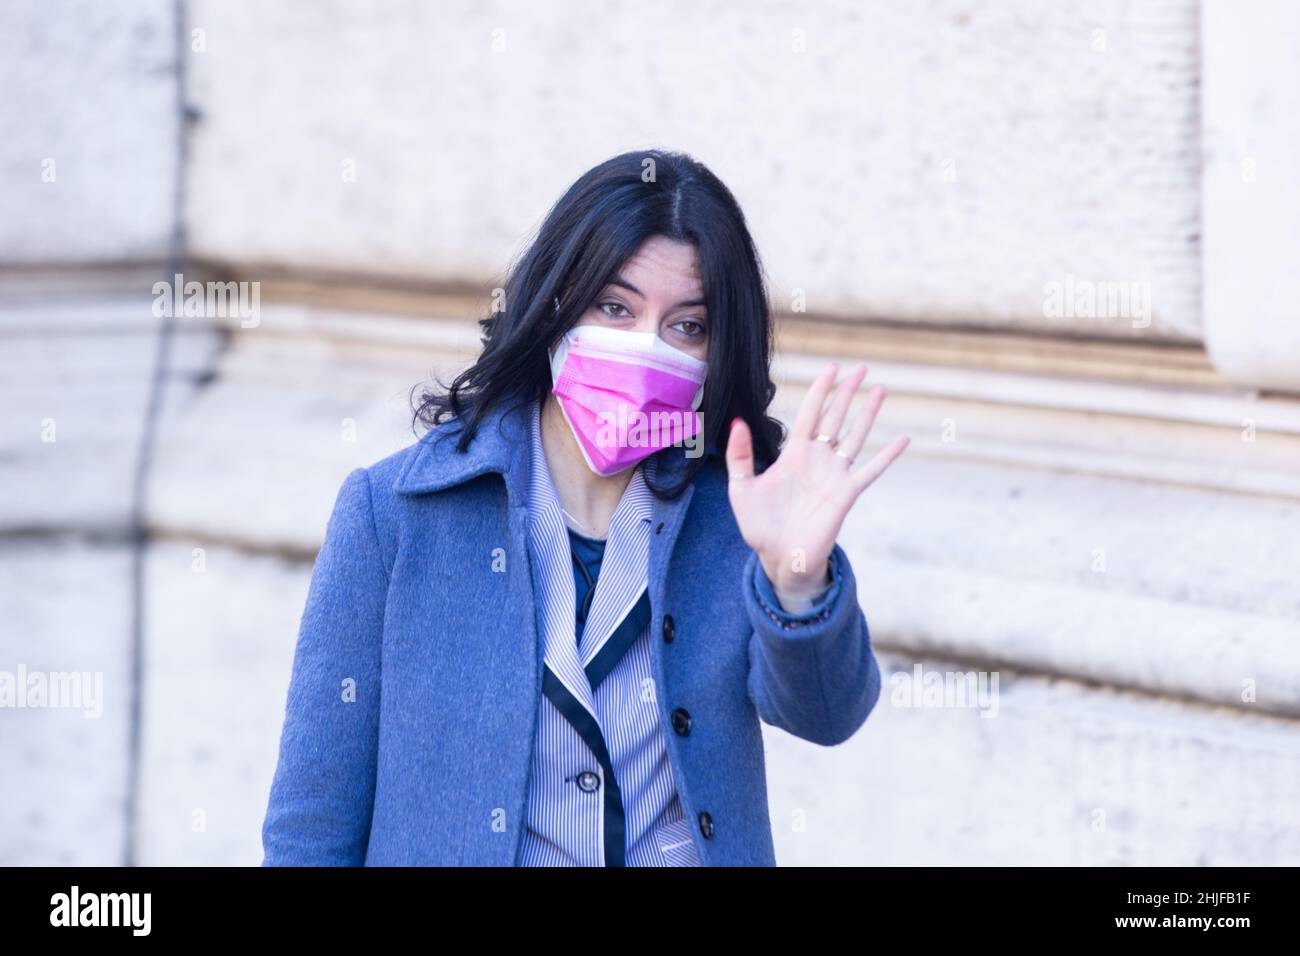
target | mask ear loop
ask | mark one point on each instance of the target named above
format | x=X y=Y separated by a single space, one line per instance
x=557 y=357
x=698 y=400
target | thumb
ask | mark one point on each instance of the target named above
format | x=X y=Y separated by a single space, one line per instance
x=740 y=450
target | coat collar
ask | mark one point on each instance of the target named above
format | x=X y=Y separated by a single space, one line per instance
x=502 y=445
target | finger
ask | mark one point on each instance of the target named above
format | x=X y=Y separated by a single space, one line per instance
x=740 y=451
x=833 y=420
x=810 y=410
x=861 y=427
x=862 y=478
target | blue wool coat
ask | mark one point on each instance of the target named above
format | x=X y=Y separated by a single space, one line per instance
x=413 y=701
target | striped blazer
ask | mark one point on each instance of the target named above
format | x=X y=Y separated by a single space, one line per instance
x=601 y=791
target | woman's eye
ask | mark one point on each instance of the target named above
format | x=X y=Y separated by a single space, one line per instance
x=693 y=329
x=613 y=305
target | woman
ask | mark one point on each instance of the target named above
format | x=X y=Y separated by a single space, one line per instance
x=463 y=693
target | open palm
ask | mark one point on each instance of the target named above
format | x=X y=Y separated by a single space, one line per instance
x=791 y=514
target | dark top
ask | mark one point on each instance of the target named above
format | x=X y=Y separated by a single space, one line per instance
x=586 y=554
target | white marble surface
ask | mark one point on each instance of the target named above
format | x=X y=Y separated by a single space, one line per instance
x=1120 y=688
x=937 y=161
x=88 y=159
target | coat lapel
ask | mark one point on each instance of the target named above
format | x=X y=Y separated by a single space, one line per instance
x=622 y=577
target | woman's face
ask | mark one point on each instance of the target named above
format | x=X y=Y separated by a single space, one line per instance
x=657 y=290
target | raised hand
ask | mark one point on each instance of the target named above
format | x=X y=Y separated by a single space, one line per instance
x=791 y=514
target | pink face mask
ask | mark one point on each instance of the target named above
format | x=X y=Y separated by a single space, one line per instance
x=625 y=395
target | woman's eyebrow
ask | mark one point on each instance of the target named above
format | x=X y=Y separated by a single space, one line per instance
x=620 y=281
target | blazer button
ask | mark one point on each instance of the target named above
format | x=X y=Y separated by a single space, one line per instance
x=588 y=781
x=682 y=721
x=706 y=824
x=670 y=629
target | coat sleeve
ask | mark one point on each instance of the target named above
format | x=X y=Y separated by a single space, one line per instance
x=814 y=676
x=322 y=794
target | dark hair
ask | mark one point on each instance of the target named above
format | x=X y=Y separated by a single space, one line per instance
x=595 y=227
